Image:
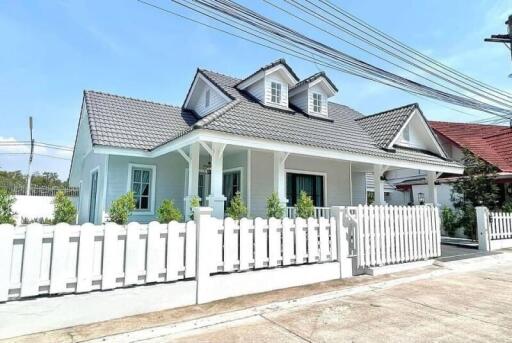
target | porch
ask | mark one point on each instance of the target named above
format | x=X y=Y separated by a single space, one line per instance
x=215 y=172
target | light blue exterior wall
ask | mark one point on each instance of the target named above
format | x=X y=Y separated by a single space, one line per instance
x=169 y=180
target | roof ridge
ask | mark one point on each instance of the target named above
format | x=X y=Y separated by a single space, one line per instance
x=415 y=104
x=216 y=72
x=313 y=77
x=131 y=98
x=215 y=114
x=474 y=124
x=271 y=65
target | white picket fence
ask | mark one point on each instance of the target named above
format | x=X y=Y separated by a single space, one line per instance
x=38 y=259
x=501 y=225
x=494 y=229
x=319 y=212
x=267 y=243
x=396 y=234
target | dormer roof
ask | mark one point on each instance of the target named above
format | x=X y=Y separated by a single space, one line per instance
x=258 y=74
x=309 y=80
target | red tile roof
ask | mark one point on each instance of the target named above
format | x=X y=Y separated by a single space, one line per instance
x=492 y=143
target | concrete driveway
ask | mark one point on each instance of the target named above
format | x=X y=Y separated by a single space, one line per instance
x=459 y=307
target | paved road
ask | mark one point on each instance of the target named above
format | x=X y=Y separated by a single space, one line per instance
x=467 y=307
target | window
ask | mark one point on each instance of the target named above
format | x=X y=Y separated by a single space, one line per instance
x=317 y=102
x=406 y=134
x=231 y=184
x=313 y=185
x=141 y=183
x=207 y=98
x=275 y=88
x=93 y=197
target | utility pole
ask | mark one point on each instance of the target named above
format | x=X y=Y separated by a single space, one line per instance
x=29 y=175
x=503 y=38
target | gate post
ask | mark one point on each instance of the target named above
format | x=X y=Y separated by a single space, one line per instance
x=204 y=227
x=343 y=237
x=482 y=221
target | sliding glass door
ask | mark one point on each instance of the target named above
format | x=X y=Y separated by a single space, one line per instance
x=313 y=185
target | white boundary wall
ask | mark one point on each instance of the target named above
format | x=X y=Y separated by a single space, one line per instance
x=494 y=229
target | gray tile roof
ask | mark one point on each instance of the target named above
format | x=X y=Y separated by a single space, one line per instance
x=313 y=78
x=122 y=122
x=281 y=61
x=384 y=126
x=129 y=123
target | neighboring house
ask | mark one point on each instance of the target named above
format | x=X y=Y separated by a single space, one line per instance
x=491 y=143
x=267 y=132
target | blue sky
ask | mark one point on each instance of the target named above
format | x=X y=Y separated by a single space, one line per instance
x=53 y=50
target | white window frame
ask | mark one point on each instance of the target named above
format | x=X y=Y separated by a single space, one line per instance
x=317 y=102
x=207 y=98
x=152 y=195
x=406 y=134
x=96 y=209
x=279 y=92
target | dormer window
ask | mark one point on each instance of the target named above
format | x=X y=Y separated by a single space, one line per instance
x=275 y=89
x=317 y=102
x=406 y=136
x=207 y=98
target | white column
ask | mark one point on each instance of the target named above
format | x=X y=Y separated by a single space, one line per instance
x=204 y=238
x=482 y=223
x=216 y=198
x=343 y=241
x=280 y=176
x=432 y=189
x=378 y=172
x=193 y=177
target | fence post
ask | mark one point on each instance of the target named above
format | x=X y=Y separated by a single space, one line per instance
x=482 y=221
x=204 y=238
x=343 y=237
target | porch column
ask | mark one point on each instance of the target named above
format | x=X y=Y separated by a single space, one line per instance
x=378 y=172
x=216 y=198
x=432 y=189
x=280 y=176
x=193 y=178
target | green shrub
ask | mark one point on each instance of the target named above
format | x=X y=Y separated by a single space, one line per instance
x=305 y=207
x=194 y=202
x=450 y=221
x=237 y=209
x=274 y=207
x=168 y=212
x=122 y=208
x=6 y=211
x=507 y=207
x=38 y=220
x=468 y=220
x=63 y=209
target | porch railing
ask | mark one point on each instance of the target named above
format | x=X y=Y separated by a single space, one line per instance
x=320 y=212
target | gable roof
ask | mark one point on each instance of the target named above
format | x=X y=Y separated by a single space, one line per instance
x=492 y=143
x=313 y=78
x=271 y=65
x=384 y=126
x=123 y=122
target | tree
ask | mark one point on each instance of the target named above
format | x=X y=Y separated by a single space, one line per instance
x=477 y=187
x=6 y=211
x=122 y=208
x=64 y=209
x=237 y=209
x=305 y=207
x=168 y=212
x=274 y=207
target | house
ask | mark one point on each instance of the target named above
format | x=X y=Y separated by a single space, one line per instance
x=491 y=143
x=269 y=131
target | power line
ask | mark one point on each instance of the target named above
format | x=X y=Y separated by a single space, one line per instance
x=388 y=50
x=276 y=30
x=35 y=154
